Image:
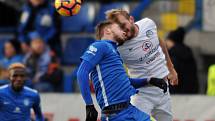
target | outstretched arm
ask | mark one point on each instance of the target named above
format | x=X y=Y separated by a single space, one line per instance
x=173 y=77
x=160 y=83
x=137 y=83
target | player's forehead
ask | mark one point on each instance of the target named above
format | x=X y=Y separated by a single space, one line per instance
x=17 y=71
x=121 y=19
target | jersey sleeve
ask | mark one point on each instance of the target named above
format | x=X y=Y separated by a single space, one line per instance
x=83 y=81
x=149 y=23
x=37 y=109
x=94 y=53
x=151 y=31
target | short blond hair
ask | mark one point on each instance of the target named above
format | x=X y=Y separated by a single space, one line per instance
x=100 y=28
x=16 y=65
x=113 y=13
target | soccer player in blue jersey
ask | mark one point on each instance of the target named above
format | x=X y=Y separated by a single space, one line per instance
x=16 y=100
x=112 y=85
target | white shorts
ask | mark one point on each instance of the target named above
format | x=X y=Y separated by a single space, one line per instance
x=153 y=101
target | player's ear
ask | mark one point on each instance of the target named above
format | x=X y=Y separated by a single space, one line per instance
x=131 y=19
x=108 y=30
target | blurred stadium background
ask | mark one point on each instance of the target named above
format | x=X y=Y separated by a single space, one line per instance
x=77 y=32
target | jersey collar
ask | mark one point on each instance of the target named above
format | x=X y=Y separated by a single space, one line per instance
x=115 y=44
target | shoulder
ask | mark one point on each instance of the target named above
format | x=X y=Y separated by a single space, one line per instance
x=31 y=91
x=2 y=88
x=99 y=45
x=145 y=22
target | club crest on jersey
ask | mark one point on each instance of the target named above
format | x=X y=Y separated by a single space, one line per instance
x=26 y=102
x=147 y=45
x=149 y=33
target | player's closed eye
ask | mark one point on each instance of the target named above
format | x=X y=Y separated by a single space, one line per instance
x=123 y=27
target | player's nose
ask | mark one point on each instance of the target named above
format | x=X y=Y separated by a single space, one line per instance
x=19 y=78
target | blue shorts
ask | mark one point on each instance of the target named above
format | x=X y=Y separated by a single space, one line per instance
x=129 y=114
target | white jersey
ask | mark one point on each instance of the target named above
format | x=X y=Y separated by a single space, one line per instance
x=143 y=55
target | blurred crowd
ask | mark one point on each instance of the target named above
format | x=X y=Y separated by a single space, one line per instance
x=37 y=45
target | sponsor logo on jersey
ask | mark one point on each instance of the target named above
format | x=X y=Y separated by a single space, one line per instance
x=92 y=50
x=17 y=110
x=149 y=53
x=152 y=58
x=147 y=45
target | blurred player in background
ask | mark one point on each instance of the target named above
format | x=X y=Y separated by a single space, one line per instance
x=41 y=17
x=112 y=86
x=146 y=56
x=16 y=100
x=184 y=62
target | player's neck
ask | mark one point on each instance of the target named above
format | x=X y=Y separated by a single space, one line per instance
x=17 y=90
x=108 y=38
x=136 y=30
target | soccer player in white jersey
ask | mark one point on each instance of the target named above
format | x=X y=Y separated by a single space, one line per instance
x=146 y=56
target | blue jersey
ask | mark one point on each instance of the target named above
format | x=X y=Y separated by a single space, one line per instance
x=17 y=106
x=110 y=80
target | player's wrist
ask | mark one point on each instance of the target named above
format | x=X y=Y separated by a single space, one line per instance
x=170 y=66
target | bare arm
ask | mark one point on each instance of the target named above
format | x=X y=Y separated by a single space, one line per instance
x=173 y=77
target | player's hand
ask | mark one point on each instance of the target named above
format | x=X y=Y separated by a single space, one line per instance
x=161 y=83
x=173 y=77
x=91 y=113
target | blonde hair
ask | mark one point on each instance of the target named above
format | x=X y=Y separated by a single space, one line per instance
x=113 y=13
x=16 y=65
x=100 y=28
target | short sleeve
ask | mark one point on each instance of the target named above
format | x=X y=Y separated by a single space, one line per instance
x=150 y=23
x=95 y=52
x=150 y=28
